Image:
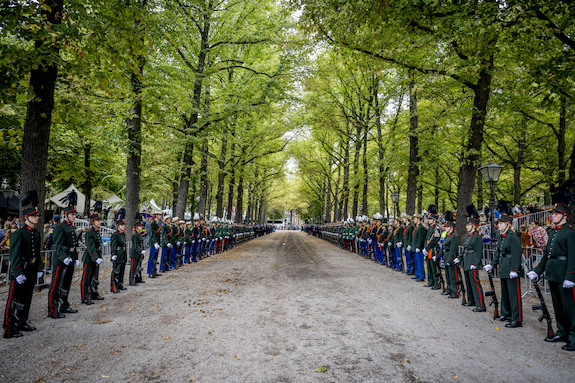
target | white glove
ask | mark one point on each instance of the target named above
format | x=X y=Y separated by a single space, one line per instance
x=399 y=244
x=221 y=238
x=67 y=261
x=178 y=243
x=99 y=261
x=433 y=258
x=72 y=249
x=193 y=241
x=456 y=261
x=389 y=244
x=77 y=263
x=408 y=247
x=568 y=284
x=417 y=251
x=472 y=267
x=39 y=274
x=532 y=275
x=20 y=279
x=425 y=252
x=143 y=252
x=513 y=274
x=203 y=239
x=488 y=268
x=157 y=246
x=170 y=246
x=114 y=257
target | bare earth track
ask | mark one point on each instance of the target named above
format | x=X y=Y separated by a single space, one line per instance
x=274 y=310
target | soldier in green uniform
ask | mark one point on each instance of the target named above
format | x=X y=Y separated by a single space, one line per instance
x=154 y=243
x=165 y=243
x=450 y=253
x=119 y=257
x=416 y=246
x=64 y=259
x=472 y=255
x=92 y=259
x=407 y=236
x=431 y=248
x=558 y=264
x=137 y=253
x=25 y=259
x=398 y=243
x=509 y=258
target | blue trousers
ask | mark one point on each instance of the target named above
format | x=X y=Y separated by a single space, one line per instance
x=390 y=257
x=187 y=249
x=409 y=264
x=173 y=257
x=419 y=268
x=398 y=259
x=195 y=247
x=212 y=245
x=377 y=251
x=163 y=263
x=152 y=260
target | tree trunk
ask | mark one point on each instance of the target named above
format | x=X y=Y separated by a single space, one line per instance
x=572 y=166
x=436 y=191
x=36 y=134
x=479 y=191
x=191 y=128
x=221 y=173
x=336 y=196
x=354 y=209
x=88 y=180
x=561 y=141
x=364 y=209
x=232 y=179
x=345 y=187
x=517 y=169
x=413 y=170
x=240 y=199
x=134 y=144
x=469 y=166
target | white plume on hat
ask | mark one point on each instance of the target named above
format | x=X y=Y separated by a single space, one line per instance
x=175 y=219
x=378 y=216
x=196 y=216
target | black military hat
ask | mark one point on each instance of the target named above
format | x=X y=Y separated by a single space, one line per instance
x=563 y=199
x=138 y=224
x=506 y=211
x=71 y=199
x=95 y=217
x=449 y=221
x=31 y=198
x=432 y=212
x=120 y=222
x=472 y=215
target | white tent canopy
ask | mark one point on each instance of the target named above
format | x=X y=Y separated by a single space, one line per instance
x=81 y=198
x=113 y=200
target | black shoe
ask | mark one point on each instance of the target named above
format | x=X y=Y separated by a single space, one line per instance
x=414 y=278
x=445 y=293
x=88 y=302
x=25 y=327
x=453 y=297
x=556 y=338
x=428 y=285
x=504 y=318
x=157 y=275
x=466 y=304
x=480 y=309
x=132 y=284
x=12 y=334
x=98 y=298
x=569 y=347
x=57 y=316
x=515 y=324
x=122 y=288
x=434 y=288
x=69 y=311
x=142 y=282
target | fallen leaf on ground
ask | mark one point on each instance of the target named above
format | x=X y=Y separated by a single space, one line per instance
x=166 y=338
x=321 y=369
x=405 y=360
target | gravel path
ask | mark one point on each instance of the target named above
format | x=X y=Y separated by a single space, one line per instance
x=274 y=310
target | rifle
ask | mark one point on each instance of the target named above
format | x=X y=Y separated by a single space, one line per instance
x=493 y=295
x=461 y=286
x=439 y=274
x=544 y=311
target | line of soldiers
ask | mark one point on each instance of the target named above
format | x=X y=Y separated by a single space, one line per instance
x=26 y=263
x=407 y=244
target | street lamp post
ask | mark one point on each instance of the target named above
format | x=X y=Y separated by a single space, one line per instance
x=490 y=174
x=6 y=193
x=395 y=200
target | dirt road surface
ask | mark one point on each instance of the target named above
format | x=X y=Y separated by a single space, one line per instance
x=277 y=309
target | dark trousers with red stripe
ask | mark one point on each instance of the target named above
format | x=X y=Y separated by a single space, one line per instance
x=87 y=275
x=564 y=306
x=452 y=276
x=134 y=264
x=474 y=290
x=14 y=305
x=54 y=293
x=511 y=299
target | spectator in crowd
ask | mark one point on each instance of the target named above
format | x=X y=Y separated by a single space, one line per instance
x=539 y=235
x=487 y=236
x=482 y=219
x=517 y=210
x=536 y=208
